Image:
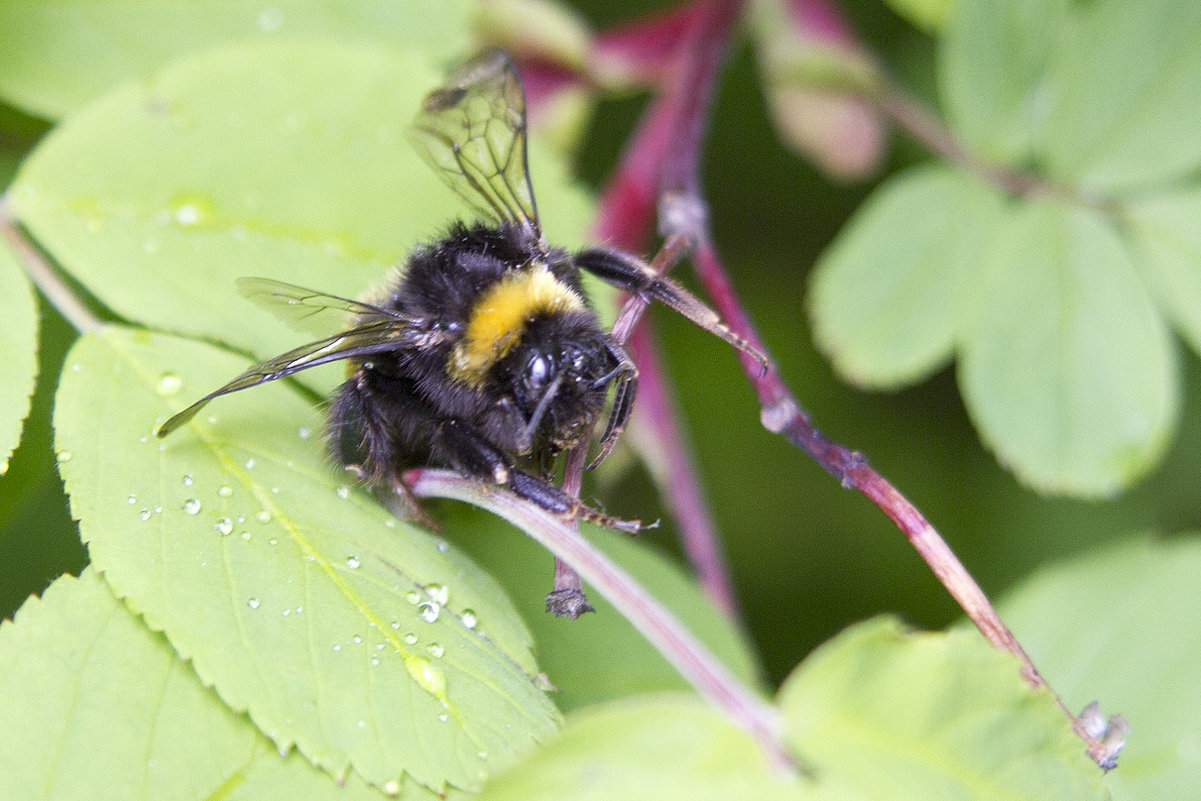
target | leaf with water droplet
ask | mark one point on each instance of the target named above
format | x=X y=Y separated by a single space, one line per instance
x=19 y=344
x=227 y=619
x=76 y=660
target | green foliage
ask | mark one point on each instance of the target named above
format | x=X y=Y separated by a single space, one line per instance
x=930 y=15
x=19 y=343
x=664 y=747
x=356 y=638
x=256 y=627
x=60 y=54
x=1115 y=626
x=883 y=713
x=106 y=711
x=1065 y=364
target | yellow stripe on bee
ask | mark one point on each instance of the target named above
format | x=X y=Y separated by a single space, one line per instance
x=500 y=316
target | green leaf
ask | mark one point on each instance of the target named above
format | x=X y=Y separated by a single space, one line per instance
x=363 y=641
x=97 y=707
x=1167 y=246
x=885 y=295
x=288 y=160
x=19 y=344
x=992 y=73
x=1066 y=367
x=1125 y=111
x=601 y=656
x=665 y=748
x=59 y=54
x=879 y=712
x=1116 y=626
x=929 y=15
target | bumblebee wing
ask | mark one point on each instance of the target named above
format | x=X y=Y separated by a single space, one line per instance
x=356 y=343
x=308 y=310
x=473 y=132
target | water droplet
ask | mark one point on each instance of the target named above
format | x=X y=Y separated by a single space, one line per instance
x=343 y=492
x=64 y=456
x=158 y=510
x=443 y=547
x=390 y=523
x=374 y=660
x=294 y=122
x=263 y=516
x=379 y=646
x=305 y=432
x=469 y=619
x=190 y=506
x=132 y=499
x=275 y=490
x=362 y=724
x=436 y=650
x=410 y=638
x=245 y=535
x=352 y=562
x=76 y=367
x=168 y=384
x=250 y=464
x=287 y=612
x=144 y=514
x=253 y=603
x=430 y=677
x=273 y=542
x=188 y=480
x=395 y=625
x=225 y=492
x=482 y=754
x=224 y=526
x=270 y=19
x=412 y=596
x=392 y=787
x=429 y=611
x=443 y=717
x=439 y=592
x=337 y=646
x=356 y=639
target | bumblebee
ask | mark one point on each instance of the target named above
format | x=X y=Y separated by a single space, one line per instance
x=484 y=355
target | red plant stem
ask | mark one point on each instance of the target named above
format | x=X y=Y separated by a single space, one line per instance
x=664 y=154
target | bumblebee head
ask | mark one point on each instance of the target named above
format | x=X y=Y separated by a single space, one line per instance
x=560 y=386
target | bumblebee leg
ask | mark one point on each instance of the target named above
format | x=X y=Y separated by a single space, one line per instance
x=626 y=376
x=635 y=276
x=467 y=451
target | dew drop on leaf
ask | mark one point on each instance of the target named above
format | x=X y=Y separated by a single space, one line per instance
x=253 y=603
x=429 y=611
x=168 y=384
x=190 y=506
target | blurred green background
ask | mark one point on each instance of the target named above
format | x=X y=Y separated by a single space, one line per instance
x=807 y=556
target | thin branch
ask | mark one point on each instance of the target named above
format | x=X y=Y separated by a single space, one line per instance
x=43 y=275
x=712 y=679
x=668 y=142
